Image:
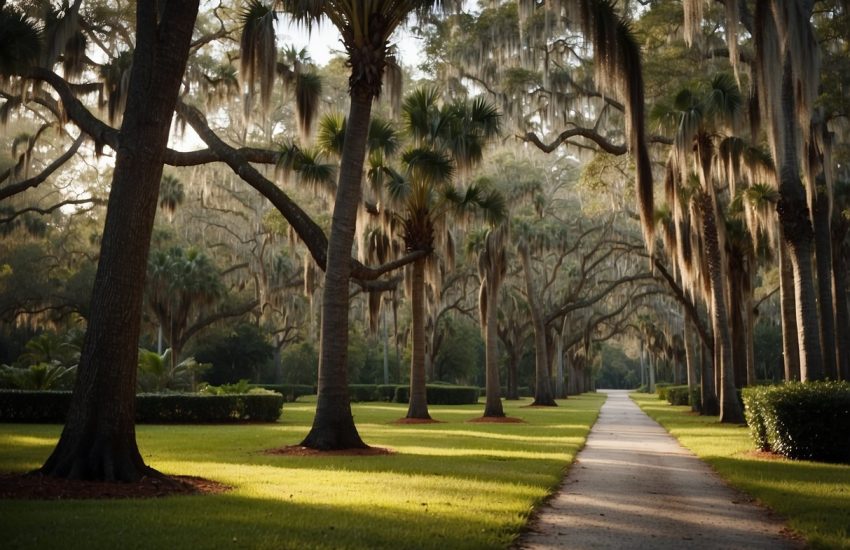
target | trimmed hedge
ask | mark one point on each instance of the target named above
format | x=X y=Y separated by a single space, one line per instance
x=678 y=395
x=290 y=392
x=363 y=392
x=661 y=389
x=52 y=407
x=801 y=420
x=442 y=395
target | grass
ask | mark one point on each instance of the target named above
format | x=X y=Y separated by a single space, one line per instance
x=449 y=485
x=813 y=497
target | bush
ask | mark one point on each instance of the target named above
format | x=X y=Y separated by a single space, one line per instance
x=678 y=395
x=290 y=392
x=363 y=392
x=696 y=398
x=442 y=395
x=386 y=392
x=754 y=400
x=661 y=389
x=801 y=420
x=52 y=407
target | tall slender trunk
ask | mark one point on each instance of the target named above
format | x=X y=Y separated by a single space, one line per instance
x=418 y=405
x=708 y=390
x=690 y=360
x=823 y=259
x=493 y=403
x=511 y=367
x=790 y=350
x=333 y=426
x=750 y=320
x=730 y=407
x=797 y=232
x=542 y=383
x=643 y=378
x=651 y=365
x=839 y=293
x=386 y=342
x=99 y=438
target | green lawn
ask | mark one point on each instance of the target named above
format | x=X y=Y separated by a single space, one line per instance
x=450 y=485
x=813 y=497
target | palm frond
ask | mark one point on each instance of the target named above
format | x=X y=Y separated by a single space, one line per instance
x=258 y=53
x=331 y=134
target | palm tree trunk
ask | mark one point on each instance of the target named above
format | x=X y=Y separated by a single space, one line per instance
x=493 y=403
x=750 y=320
x=418 y=405
x=708 y=391
x=797 y=232
x=99 y=438
x=839 y=295
x=690 y=360
x=823 y=258
x=333 y=426
x=730 y=407
x=790 y=351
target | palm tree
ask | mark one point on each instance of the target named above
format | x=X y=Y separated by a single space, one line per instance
x=492 y=268
x=448 y=138
x=366 y=27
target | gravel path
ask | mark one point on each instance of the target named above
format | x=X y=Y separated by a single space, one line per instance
x=634 y=486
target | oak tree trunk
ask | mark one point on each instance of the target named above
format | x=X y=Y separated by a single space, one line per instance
x=99 y=438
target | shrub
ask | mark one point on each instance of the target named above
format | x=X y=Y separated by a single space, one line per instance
x=290 y=392
x=661 y=389
x=678 y=395
x=363 y=392
x=386 y=392
x=696 y=398
x=52 y=407
x=802 y=420
x=442 y=395
x=754 y=400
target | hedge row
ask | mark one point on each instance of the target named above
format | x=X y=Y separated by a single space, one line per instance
x=52 y=407
x=442 y=395
x=678 y=395
x=290 y=392
x=801 y=420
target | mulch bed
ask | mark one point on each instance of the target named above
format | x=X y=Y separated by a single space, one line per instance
x=297 y=450
x=496 y=420
x=417 y=421
x=39 y=487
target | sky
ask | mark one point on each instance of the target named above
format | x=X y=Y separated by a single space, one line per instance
x=324 y=42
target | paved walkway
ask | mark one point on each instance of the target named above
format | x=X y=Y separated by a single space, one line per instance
x=634 y=486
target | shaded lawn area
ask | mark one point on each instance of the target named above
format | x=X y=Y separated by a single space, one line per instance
x=813 y=497
x=449 y=485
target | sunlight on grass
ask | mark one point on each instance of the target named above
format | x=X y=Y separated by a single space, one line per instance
x=449 y=485
x=813 y=497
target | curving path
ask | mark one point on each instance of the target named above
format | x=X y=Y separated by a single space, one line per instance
x=634 y=486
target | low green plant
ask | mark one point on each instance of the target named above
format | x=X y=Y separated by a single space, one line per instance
x=678 y=395
x=801 y=420
x=290 y=392
x=52 y=407
x=40 y=376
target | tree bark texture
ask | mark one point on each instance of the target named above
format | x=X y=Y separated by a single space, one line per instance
x=333 y=426
x=493 y=403
x=99 y=439
x=708 y=391
x=730 y=407
x=542 y=383
x=823 y=260
x=798 y=234
x=690 y=359
x=418 y=404
x=839 y=293
x=790 y=350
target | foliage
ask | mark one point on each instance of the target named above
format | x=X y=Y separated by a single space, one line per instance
x=441 y=395
x=801 y=420
x=812 y=497
x=242 y=352
x=459 y=356
x=618 y=370
x=157 y=372
x=40 y=376
x=290 y=392
x=52 y=407
x=678 y=395
x=300 y=363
